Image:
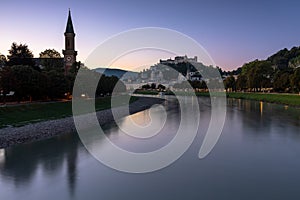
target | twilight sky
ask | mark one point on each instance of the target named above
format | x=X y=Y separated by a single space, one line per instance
x=233 y=31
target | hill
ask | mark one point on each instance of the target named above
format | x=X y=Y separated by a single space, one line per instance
x=279 y=73
x=120 y=73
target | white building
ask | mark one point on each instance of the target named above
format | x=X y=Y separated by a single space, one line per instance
x=178 y=59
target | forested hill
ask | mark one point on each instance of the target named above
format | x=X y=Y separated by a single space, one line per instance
x=282 y=60
x=285 y=58
x=281 y=72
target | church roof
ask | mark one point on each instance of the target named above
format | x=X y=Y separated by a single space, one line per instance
x=69 y=28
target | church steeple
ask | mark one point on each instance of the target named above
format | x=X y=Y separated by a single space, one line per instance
x=69 y=28
x=69 y=52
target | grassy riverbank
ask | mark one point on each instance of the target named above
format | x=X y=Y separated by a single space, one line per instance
x=286 y=99
x=19 y=115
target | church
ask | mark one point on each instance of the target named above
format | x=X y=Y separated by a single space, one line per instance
x=69 y=51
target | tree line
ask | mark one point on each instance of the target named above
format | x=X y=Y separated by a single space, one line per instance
x=278 y=73
x=29 y=78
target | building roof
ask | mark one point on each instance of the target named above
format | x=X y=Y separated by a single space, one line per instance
x=69 y=28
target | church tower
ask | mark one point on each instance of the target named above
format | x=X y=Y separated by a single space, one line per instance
x=69 y=52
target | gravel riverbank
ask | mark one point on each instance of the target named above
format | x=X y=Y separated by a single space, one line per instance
x=43 y=130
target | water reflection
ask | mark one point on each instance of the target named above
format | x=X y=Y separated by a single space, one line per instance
x=140 y=142
x=261 y=108
x=258 y=117
x=20 y=164
x=258 y=150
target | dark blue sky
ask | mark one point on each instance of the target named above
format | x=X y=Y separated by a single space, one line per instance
x=233 y=32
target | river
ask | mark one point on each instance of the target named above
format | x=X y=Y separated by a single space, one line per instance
x=256 y=157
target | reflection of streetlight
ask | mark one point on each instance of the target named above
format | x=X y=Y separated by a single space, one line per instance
x=261 y=107
x=82 y=95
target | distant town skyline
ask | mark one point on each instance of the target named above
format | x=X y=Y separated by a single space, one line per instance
x=233 y=32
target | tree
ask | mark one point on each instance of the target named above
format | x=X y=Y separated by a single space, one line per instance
x=27 y=83
x=282 y=81
x=51 y=60
x=241 y=82
x=108 y=84
x=259 y=75
x=52 y=64
x=56 y=84
x=20 y=55
x=280 y=59
x=19 y=51
x=161 y=87
x=229 y=83
x=295 y=80
x=50 y=53
x=295 y=62
x=5 y=81
x=285 y=58
x=153 y=86
x=248 y=66
x=2 y=60
x=197 y=84
x=146 y=87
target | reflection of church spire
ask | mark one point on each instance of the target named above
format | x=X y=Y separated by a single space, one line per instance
x=71 y=164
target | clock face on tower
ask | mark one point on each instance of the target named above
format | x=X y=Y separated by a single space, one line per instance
x=68 y=58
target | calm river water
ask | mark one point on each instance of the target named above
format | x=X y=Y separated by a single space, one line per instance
x=256 y=157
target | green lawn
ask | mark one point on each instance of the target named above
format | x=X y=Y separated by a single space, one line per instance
x=288 y=99
x=24 y=114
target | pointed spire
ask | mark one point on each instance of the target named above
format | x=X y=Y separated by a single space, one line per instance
x=69 y=28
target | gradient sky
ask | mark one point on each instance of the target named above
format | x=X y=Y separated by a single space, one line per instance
x=233 y=32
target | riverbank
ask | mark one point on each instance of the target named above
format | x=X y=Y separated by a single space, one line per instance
x=45 y=129
x=278 y=98
x=285 y=99
x=16 y=115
